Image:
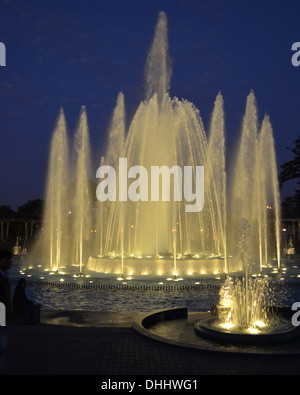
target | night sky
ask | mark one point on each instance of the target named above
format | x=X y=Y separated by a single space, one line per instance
x=73 y=53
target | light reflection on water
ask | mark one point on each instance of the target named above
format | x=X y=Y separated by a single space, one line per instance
x=114 y=299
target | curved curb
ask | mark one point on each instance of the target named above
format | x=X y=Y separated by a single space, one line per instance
x=204 y=329
x=205 y=345
x=159 y=316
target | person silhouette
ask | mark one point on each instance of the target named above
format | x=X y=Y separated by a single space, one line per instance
x=21 y=303
x=5 y=287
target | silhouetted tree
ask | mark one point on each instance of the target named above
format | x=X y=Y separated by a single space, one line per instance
x=33 y=209
x=290 y=171
x=6 y=212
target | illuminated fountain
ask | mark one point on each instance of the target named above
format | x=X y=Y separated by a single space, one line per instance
x=67 y=218
x=51 y=245
x=246 y=313
x=160 y=234
x=161 y=237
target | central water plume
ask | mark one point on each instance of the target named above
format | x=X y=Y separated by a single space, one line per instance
x=158 y=67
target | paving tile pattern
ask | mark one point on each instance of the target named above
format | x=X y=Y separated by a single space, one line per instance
x=69 y=350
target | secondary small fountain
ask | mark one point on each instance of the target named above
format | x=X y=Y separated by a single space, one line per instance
x=246 y=313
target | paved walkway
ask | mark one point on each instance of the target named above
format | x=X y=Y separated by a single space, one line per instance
x=82 y=343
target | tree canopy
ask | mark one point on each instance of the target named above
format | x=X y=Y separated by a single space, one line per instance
x=291 y=171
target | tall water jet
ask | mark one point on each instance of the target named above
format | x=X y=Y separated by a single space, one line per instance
x=215 y=169
x=110 y=211
x=81 y=200
x=255 y=186
x=50 y=244
x=268 y=170
x=158 y=66
x=241 y=195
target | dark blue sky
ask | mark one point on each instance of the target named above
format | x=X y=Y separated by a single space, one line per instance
x=72 y=53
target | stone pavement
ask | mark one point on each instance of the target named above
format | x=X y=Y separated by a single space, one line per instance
x=104 y=343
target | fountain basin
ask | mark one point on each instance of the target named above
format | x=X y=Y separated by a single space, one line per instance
x=281 y=331
x=161 y=267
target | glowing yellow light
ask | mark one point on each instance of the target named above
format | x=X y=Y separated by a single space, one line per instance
x=253 y=331
x=61 y=280
x=260 y=324
x=227 y=325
